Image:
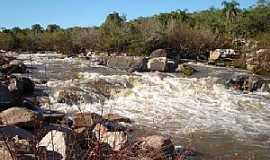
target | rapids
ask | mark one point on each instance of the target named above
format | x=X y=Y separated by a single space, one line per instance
x=198 y=112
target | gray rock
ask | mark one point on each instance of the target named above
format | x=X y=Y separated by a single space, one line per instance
x=159 y=53
x=157 y=64
x=127 y=63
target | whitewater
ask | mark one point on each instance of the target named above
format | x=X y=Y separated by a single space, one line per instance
x=168 y=103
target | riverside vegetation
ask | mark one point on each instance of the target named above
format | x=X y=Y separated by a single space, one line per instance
x=180 y=30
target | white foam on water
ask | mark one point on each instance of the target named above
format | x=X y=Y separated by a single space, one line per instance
x=184 y=105
x=174 y=104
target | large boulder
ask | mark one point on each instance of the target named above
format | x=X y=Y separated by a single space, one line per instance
x=6 y=98
x=21 y=117
x=158 y=146
x=127 y=63
x=21 y=86
x=63 y=143
x=159 y=53
x=157 y=64
x=111 y=133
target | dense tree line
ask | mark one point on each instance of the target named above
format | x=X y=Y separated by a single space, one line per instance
x=179 y=31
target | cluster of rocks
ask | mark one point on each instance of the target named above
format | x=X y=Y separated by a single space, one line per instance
x=246 y=82
x=9 y=65
x=159 y=60
x=30 y=134
x=222 y=57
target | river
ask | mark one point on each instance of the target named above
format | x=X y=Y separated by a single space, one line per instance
x=197 y=112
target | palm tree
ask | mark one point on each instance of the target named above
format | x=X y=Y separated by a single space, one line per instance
x=53 y=28
x=230 y=9
x=37 y=28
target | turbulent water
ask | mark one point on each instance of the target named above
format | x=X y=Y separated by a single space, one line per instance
x=198 y=112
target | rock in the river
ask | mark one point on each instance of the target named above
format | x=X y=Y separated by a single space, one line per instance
x=88 y=120
x=246 y=83
x=158 y=146
x=139 y=66
x=14 y=66
x=185 y=69
x=21 y=86
x=222 y=53
x=159 y=53
x=108 y=89
x=21 y=117
x=75 y=95
x=6 y=98
x=214 y=55
x=116 y=118
x=63 y=143
x=157 y=64
x=112 y=134
x=127 y=63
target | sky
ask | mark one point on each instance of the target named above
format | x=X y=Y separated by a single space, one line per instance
x=69 y=13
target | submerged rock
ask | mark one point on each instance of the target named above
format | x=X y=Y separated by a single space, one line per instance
x=185 y=69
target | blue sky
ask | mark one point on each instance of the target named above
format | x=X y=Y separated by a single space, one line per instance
x=68 y=13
